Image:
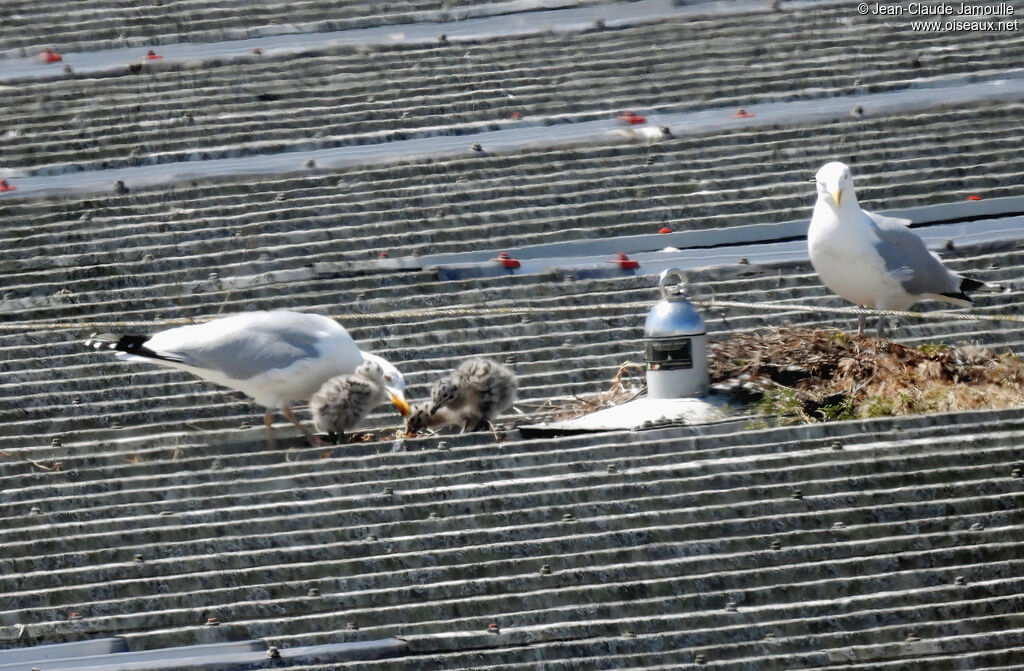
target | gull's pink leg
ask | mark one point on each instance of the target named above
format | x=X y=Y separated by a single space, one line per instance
x=313 y=440
x=268 y=419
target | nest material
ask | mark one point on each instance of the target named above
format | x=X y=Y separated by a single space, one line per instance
x=803 y=375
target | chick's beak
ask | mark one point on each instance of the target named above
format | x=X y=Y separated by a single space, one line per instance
x=836 y=195
x=398 y=400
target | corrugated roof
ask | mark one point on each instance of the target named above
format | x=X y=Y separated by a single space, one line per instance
x=146 y=502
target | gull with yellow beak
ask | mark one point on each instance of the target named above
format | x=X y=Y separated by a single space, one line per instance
x=275 y=357
x=875 y=261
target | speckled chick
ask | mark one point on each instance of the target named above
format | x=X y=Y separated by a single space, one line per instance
x=342 y=402
x=479 y=390
x=420 y=419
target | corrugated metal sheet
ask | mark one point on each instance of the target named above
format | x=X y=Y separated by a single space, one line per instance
x=141 y=504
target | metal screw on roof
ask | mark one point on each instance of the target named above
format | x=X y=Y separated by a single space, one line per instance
x=797 y=494
x=442 y=39
x=313 y=591
x=212 y=622
x=352 y=626
x=165 y=513
x=949 y=245
x=857 y=111
x=612 y=468
x=1016 y=473
x=55 y=442
x=76 y=401
x=510 y=359
x=776 y=545
x=310 y=163
x=371 y=537
x=629 y=634
x=959 y=580
x=769 y=636
x=244 y=425
x=115 y=425
x=387 y=491
x=731 y=607
x=599 y=24
x=744 y=261
x=34 y=510
x=545 y=569
x=280 y=197
x=67 y=70
x=651 y=158
x=433 y=516
x=977 y=526
x=912 y=638
x=362 y=297
x=443 y=445
x=493 y=628
x=839 y=525
x=701 y=659
x=477 y=147
x=273 y=653
x=837 y=445
x=120 y=188
x=137 y=557
x=568 y=517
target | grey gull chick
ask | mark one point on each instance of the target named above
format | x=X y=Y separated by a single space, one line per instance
x=479 y=390
x=275 y=357
x=343 y=401
x=872 y=260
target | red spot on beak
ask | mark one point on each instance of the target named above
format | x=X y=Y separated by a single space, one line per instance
x=153 y=56
x=4 y=186
x=48 y=56
x=624 y=261
x=974 y=196
x=631 y=118
x=666 y=229
x=506 y=261
x=742 y=114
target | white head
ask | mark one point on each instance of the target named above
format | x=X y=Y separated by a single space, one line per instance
x=835 y=184
x=393 y=381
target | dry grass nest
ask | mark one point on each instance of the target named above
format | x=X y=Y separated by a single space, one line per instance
x=803 y=375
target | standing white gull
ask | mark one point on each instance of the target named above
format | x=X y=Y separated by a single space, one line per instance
x=274 y=357
x=875 y=261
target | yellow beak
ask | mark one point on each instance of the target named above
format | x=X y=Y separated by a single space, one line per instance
x=398 y=400
x=836 y=195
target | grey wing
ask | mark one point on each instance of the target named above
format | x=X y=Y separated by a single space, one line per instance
x=908 y=260
x=238 y=353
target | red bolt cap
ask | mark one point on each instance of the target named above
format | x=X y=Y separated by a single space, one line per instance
x=153 y=56
x=632 y=119
x=742 y=114
x=493 y=628
x=624 y=261
x=506 y=261
x=974 y=196
x=257 y=51
x=383 y=255
x=74 y=615
x=4 y=186
x=48 y=56
x=665 y=229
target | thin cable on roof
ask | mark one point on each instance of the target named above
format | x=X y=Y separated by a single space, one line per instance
x=512 y=310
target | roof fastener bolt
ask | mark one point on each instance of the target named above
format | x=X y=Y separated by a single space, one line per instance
x=776 y=545
x=959 y=580
x=612 y=468
x=310 y=163
x=949 y=245
x=34 y=510
x=797 y=494
x=599 y=24
x=244 y=425
x=1016 y=473
x=701 y=659
x=731 y=607
x=313 y=591
x=477 y=147
x=443 y=445
x=115 y=425
x=137 y=557
x=493 y=628
x=769 y=636
x=568 y=517
x=273 y=652
x=212 y=622
x=442 y=39
x=74 y=616
x=977 y=526
x=839 y=525
x=352 y=626
x=545 y=569
x=55 y=442
x=433 y=516
x=837 y=445
x=744 y=261
x=510 y=359
x=371 y=537
x=911 y=638
x=388 y=491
